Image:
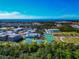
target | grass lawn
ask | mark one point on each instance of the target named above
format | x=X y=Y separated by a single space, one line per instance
x=70 y=37
x=72 y=40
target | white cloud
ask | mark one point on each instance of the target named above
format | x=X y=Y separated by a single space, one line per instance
x=69 y=17
x=18 y=15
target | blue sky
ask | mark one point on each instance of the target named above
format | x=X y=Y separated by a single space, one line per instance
x=39 y=8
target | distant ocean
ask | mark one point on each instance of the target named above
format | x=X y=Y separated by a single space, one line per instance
x=35 y=20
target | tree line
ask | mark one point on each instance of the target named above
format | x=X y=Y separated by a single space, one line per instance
x=43 y=51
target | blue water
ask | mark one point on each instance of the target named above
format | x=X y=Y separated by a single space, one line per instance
x=35 y=20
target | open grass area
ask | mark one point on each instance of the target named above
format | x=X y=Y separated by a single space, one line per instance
x=72 y=40
x=69 y=37
x=66 y=34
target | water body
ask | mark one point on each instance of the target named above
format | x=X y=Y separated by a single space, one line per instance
x=35 y=20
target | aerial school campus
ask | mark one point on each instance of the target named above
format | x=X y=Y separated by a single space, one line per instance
x=26 y=40
x=39 y=29
x=40 y=32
